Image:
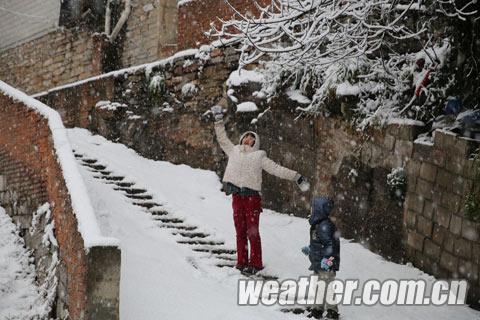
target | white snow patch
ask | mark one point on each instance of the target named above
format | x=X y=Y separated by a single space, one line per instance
x=239 y=77
x=404 y=121
x=296 y=95
x=87 y=223
x=425 y=140
x=189 y=89
x=20 y=297
x=247 y=106
x=183 y=2
x=347 y=89
x=108 y=105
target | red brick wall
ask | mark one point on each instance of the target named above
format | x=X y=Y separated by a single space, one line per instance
x=194 y=19
x=27 y=147
x=54 y=59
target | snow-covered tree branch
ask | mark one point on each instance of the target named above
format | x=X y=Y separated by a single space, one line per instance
x=382 y=52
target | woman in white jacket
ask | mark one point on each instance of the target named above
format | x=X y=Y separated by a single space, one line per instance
x=243 y=178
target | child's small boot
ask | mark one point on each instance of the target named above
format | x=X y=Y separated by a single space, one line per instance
x=331 y=315
x=316 y=313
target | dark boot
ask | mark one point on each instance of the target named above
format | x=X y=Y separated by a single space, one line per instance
x=251 y=270
x=315 y=313
x=331 y=315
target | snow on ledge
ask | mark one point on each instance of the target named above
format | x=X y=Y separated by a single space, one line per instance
x=81 y=205
x=130 y=70
x=247 y=107
x=405 y=121
x=239 y=77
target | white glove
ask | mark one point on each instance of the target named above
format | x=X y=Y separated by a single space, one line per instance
x=217 y=112
x=302 y=183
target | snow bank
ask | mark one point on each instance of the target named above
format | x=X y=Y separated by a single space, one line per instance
x=20 y=297
x=239 y=77
x=87 y=223
x=247 y=107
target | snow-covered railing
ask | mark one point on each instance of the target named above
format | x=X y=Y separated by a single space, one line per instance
x=81 y=205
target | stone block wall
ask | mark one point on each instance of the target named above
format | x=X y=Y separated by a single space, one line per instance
x=150 y=32
x=440 y=239
x=30 y=176
x=170 y=126
x=354 y=167
x=56 y=58
x=166 y=125
x=351 y=166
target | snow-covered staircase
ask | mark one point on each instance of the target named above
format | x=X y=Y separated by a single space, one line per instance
x=177 y=235
x=187 y=234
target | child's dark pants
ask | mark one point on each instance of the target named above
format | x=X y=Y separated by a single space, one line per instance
x=246 y=216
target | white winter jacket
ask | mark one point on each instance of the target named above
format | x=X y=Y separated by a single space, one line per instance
x=245 y=163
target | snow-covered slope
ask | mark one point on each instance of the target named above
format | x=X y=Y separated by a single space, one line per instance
x=19 y=295
x=162 y=279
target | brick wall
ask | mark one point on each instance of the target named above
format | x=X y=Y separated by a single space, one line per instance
x=194 y=18
x=32 y=175
x=56 y=58
x=441 y=239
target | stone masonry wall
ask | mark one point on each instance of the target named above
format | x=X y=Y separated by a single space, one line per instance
x=150 y=32
x=56 y=58
x=30 y=176
x=155 y=29
x=440 y=239
x=168 y=124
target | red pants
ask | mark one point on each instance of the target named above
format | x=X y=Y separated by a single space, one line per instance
x=246 y=216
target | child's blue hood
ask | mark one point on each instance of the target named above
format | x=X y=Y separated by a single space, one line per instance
x=321 y=209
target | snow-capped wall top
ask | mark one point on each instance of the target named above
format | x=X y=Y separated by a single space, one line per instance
x=82 y=208
x=130 y=70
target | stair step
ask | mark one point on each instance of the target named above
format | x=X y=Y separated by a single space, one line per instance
x=168 y=220
x=139 y=196
x=227 y=258
x=202 y=242
x=223 y=251
x=158 y=212
x=98 y=167
x=147 y=205
x=89 y=160
x=110 y=178
x=215 y=251
x=194 y=234
x=225 y=265
x=124 y=184
x=131 y=190
x=177 y=227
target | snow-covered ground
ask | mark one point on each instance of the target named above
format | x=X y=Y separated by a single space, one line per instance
x=19 y=295
x=162 y=279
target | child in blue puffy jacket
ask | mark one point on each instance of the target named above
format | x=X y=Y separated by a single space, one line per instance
x=323 y=251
